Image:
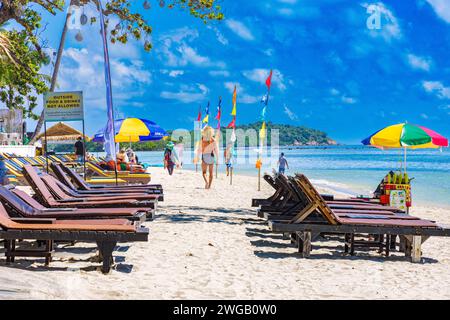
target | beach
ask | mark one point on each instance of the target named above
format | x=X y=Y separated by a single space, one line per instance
x=209 y=244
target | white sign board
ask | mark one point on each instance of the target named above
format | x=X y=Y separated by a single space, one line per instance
x=398 y=199
x=63 y=106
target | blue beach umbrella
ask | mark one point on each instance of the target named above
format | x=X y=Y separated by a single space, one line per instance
x=133 y=130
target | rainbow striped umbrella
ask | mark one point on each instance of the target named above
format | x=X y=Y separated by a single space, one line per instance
x=133 y=130
x=406 y=136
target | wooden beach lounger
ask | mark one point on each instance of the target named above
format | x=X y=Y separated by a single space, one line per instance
x=105 y=236
x=63 y=192
x=20 y=204
x=136 y=178
x=298 y=202
x=414 y=231
x=83 y=185
x=284 y=196
x=45 y=196
x=66 y=179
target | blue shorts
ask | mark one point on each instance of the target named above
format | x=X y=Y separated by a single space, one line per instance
x=281 y=170
x=229 y=165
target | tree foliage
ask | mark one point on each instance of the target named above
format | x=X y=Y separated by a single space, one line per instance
x=20 y=80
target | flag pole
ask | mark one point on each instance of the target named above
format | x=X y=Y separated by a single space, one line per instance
x=109 y=97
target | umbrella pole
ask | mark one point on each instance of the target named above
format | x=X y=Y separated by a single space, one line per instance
x=404 y=160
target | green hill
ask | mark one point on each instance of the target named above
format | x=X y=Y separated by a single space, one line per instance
x=288 y=136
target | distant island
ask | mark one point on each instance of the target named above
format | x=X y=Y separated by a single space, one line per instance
x=289 y=135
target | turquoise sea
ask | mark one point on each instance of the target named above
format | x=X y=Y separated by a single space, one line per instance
x=353 y=169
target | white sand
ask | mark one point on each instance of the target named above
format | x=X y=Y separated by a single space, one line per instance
x=209 y=244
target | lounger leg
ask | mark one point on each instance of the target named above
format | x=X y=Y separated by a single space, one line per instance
x=416 y=254
x=393 y=242
x=106 y=249
x=306 y=244
x=13 y=250
x=299 y=242
x=8 y=251
x=352 y=244
x=346 y=241
x=388 y=245
x=380 y=238
x=402 y=244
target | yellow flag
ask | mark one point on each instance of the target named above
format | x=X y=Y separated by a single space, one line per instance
x=206 y=119
x=233 y=112
x=262 y=132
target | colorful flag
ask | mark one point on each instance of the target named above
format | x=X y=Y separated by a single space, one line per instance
x=219 y=113
x=269 y=80
x=264 y=99
x=199 y=117
x=232 y=123
x=234 y=111
x=206 y=119
x=219 y=110
x=262 y=132
x=110 y=145
x=263 y=113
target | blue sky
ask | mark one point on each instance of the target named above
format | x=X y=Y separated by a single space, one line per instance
x=331 y=72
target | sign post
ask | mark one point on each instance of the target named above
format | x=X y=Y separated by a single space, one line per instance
x=64 y=106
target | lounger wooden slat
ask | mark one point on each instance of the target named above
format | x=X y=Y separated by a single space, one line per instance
x=106 y=236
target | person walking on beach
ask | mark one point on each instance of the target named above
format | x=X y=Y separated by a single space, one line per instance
x=169 y=162
x=209 y=154
x=282 y=164
x=228 y=155
x=79 y=149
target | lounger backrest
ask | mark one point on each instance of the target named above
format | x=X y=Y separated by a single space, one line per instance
x=28 y=199
x=16 y=203
x=284 y=183
x=61 y=175
x=54 y=188
x=94 y=167
x=5 y=220
x=306 y=186
x=76 y=178
x=37 y=184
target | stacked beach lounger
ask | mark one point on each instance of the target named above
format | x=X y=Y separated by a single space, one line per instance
x=65 y=208
x=297 y=209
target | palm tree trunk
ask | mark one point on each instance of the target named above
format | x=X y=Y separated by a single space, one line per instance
x=40 y=122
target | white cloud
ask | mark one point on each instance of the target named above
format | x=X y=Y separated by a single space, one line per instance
x=442 y=8
x=419 y=63
x=424 y=116
x=348 y=100
x=83 y=70
x=173 y=73
x=291 y=115
x=219 y=73
x=390 y=27
x=334 y=92
x=175 y=50
x=260 y=76
x=437 y=88
x=187 y=94
x=240 y=29
x=220 y=37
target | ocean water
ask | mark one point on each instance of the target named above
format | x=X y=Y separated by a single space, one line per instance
x=355 y=170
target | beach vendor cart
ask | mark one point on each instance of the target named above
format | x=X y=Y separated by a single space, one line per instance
x=395 y=189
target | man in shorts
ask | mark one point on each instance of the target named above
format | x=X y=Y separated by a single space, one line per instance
x=282 y=164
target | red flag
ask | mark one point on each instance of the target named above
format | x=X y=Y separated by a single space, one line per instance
x=199 y=118
x=232 y=123
x=269 y=80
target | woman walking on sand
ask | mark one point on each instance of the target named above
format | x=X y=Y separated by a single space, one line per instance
x=209 y=154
